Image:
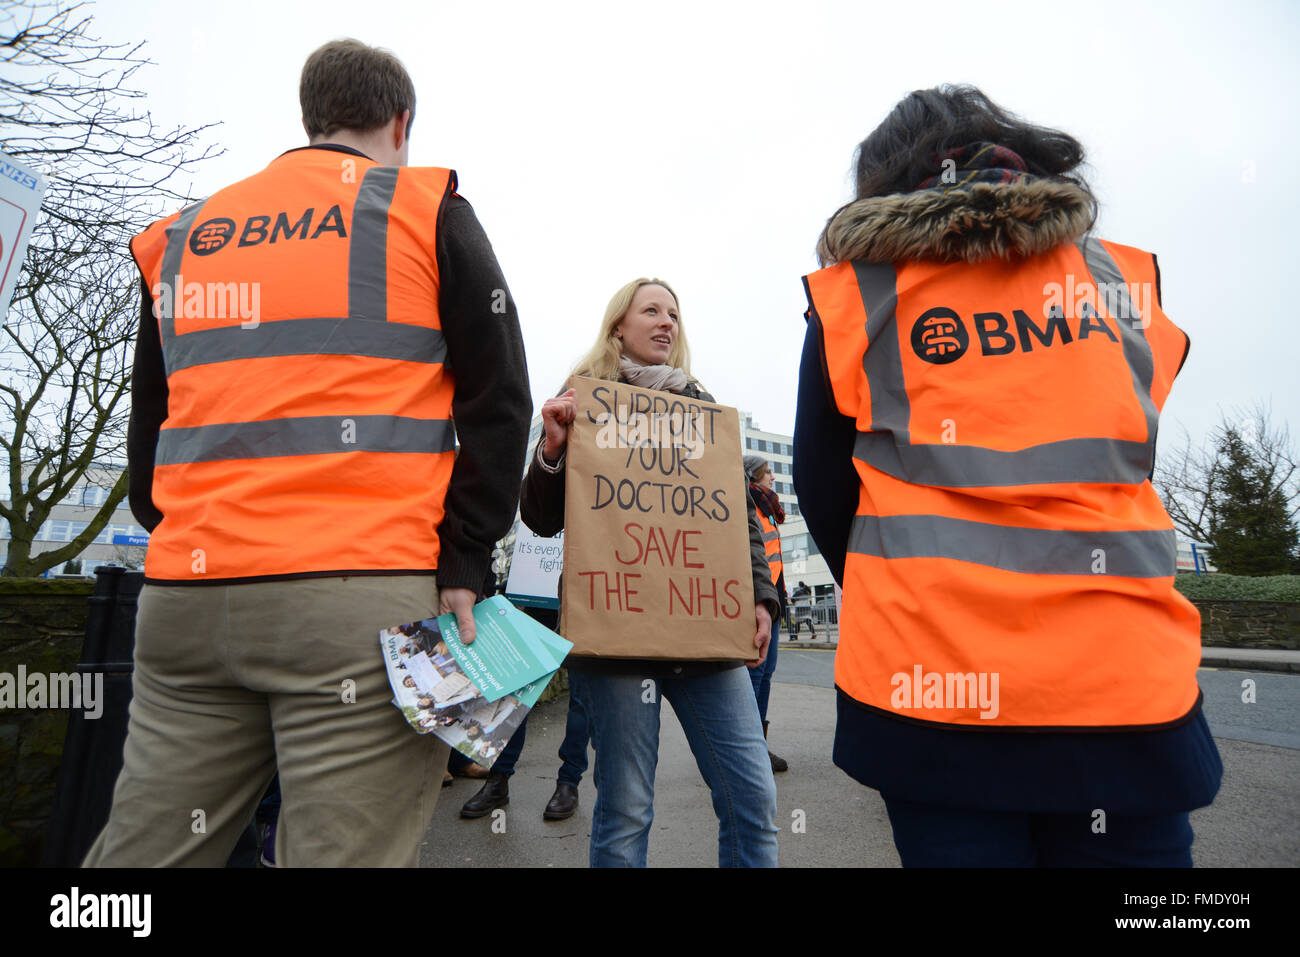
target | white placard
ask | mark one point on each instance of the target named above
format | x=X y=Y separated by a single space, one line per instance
x=535 y=569
x=21 y=191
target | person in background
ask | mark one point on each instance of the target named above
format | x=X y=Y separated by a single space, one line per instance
x=770 y=515
x=641 y=341
x=495 y=791
x=1015 y=673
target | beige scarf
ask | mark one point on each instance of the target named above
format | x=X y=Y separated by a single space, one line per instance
x=662 y=378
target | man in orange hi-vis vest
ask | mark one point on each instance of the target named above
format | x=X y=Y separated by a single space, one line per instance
x=979 y=395
x=307 y=337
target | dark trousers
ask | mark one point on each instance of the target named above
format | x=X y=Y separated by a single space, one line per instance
x=572 y=753
x=927 y=835
x=573 y=749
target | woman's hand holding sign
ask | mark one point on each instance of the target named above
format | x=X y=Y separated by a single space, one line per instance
x=763 y=620
x=557 y=413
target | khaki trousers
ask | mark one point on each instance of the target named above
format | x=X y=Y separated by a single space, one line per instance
x=234 y=681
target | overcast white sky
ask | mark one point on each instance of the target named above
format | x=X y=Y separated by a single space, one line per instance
x=706 y=143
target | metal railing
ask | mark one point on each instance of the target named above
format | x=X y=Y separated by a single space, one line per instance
x=817 y=620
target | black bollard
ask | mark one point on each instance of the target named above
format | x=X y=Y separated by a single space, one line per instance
x=92 y=750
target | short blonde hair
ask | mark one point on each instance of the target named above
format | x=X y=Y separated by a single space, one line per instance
x=601 y=362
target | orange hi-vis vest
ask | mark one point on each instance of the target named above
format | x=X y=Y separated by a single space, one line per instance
x=771 y=544
x=1010 y=564
x=308 y=425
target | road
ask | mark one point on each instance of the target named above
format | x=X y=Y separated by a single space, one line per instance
x=828 y=820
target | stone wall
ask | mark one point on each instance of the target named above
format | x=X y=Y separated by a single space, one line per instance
x=1249 y=624
x=42 y=627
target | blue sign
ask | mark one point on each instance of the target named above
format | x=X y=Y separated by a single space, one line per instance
x=141 y=540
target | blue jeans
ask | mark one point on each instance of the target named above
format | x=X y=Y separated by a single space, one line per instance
x=573 y=749
x=720 y=717
x=927 y=835
x=762 y=675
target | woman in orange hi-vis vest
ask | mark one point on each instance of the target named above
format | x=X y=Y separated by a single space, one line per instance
x=979 y=395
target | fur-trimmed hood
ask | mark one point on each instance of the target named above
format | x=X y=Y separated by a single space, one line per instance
x=973 y=223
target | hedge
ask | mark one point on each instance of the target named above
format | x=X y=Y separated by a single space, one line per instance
x=47 y=586
x=1239 y=587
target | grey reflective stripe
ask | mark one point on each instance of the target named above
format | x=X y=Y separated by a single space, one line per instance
x=368 y=245
x=178 y=234
x=1032 y=551
x=883 y=362
x=774 y=559
x=308 y=435
x=888 y=447
x=968 y=466
x=292 y=337
x=1137 y=350
x=769 y=536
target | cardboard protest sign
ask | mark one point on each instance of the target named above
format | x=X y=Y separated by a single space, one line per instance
x=656 y=544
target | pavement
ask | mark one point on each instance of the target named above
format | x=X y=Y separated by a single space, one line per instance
x=1244 y=659
x=1251 y=659
x=826 y=818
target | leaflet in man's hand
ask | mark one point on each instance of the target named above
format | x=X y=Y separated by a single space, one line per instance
x=437 y=680
x=507 y=652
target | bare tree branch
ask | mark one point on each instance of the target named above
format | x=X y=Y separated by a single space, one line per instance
x=67 y=108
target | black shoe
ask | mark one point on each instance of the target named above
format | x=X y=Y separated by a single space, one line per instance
x=562 y=804
x=494 y=793
x=778 y=764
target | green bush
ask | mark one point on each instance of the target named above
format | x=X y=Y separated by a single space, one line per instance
x=1239 y=587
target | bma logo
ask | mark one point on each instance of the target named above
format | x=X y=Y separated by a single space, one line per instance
x=211 y=236
x=939 y=336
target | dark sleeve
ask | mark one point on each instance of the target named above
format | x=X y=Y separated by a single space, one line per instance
x=492 y=403
x=824 y=478
x=148 y=410
x=541 y=502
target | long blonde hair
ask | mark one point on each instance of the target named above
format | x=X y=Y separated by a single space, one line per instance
x=601 y=362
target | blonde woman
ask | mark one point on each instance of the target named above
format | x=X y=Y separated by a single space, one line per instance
x=641 y=342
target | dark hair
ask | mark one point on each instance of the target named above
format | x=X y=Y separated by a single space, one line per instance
x=347 y=85
x=909 y=145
